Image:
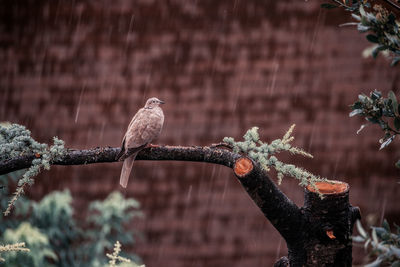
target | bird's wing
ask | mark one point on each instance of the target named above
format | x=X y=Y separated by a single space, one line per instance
x=135 y=137
x=122 y=152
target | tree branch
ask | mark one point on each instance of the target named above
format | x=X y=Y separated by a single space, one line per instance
x=108 y=154
x=275 y=205
x=393 y=4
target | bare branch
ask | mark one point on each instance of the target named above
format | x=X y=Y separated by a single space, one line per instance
x=275 y=205
x=392 y=4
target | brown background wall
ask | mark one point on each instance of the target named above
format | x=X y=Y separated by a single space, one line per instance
x=81 y=69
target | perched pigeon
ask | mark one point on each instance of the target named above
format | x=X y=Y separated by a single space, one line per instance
x=145 y=126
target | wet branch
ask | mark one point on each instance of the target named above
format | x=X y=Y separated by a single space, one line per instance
x=281 y=211
x=318 y=234
x=392 y=4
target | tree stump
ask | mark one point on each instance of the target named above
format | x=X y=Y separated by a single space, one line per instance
x=319 y=233
x=326 y=230
x=329 y=225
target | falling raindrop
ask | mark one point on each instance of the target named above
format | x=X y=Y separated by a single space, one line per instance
x=278 y=249
x=103 y=124
x=224 y=191
x=273 y=79
x=320 y=20
x=311 y=137
x=237 y=92
x=79 y=104
x=336 y=165
x=189 y=194
x=383 y=210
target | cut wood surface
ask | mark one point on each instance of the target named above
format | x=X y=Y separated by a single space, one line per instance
x=332 y=187
x=243 y=166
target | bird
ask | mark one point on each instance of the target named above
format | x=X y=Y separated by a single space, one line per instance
x=144 y=127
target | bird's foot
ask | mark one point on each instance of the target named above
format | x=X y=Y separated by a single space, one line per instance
x=151 y=145
x=222 y=144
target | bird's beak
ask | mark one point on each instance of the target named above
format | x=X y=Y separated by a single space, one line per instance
x=162 y=102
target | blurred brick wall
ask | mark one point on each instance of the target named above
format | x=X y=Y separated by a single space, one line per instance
x=81 y=69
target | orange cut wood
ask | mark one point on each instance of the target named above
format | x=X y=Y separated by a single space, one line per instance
x=330 y=234
x=333 y=187
x=243 y=166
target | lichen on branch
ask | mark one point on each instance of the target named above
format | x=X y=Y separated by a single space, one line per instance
x=15 y=141
x=264 y=154
x=115 y=257
x=13 y=247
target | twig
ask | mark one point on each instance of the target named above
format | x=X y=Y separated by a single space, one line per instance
x=392 y=4
x=341 y=4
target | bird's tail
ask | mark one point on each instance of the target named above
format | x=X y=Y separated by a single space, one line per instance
x=126 y=170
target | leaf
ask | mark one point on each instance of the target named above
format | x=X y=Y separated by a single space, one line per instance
x=376 y=94
x=362 y=11
x=372 y=38
x=356 y=105
x=375 y=263
x=375 y=237
x=361 y=128
x=363 y=98
x=395 y=105
x=395 y=251
x=386 y=225
x=397 y=164
x=358 y=239
x=372 y=120
x=367 y=243
x=395 y=61
x=397 y=123
x=361 y=229
x=392 y=38
x=356 y=17
x=362 y=28
x=355 y=112
x=349 y=24
x=378 y=49
x=387 y=142
x=328 y=6
x=392 y=18
x=380 y=231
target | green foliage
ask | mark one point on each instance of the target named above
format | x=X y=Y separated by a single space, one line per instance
x=115 y=257
x=21 y=205
x=382 y=26
x=108 y=218
x=384 y=112
x=41 y=253
x=382 y=243
x=53 y=215
x=264 y=154
x=51 y=224
x=16 y=140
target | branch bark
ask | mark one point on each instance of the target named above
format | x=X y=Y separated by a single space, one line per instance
x=392 y=4
x=275 y=205
x=320 y=226
x=108 y=154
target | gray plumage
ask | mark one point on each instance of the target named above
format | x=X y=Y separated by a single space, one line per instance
x=145 y=126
